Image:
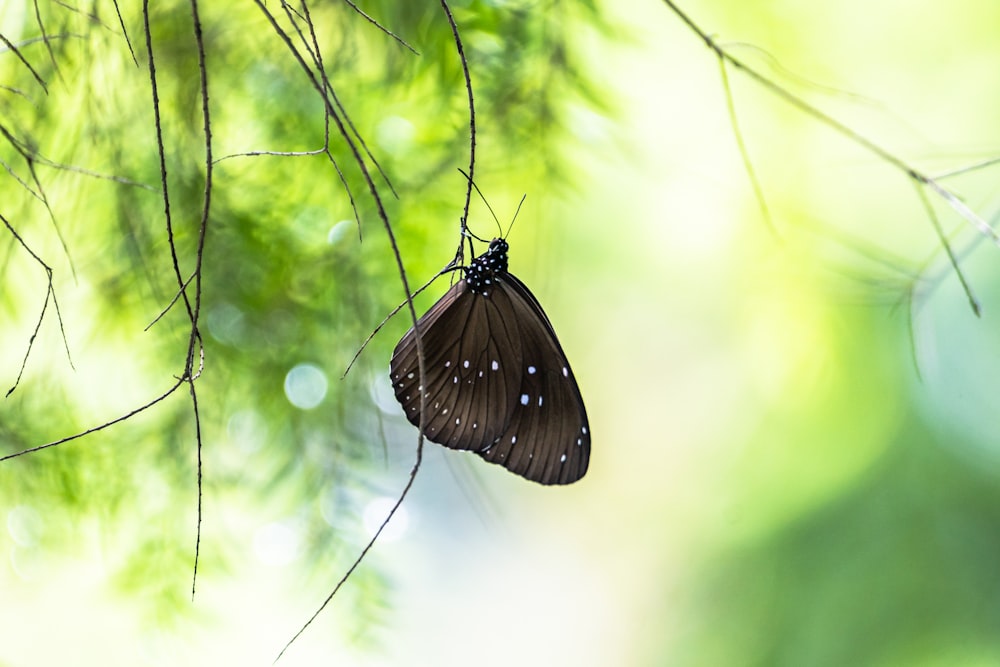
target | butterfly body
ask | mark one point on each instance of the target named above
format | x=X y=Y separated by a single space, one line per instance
x=496 y=381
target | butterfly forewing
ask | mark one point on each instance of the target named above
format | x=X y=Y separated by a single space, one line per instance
x=496 y=380
x=462 y=365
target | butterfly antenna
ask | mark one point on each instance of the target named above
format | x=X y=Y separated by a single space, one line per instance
x=483 y=197
x=519 y=205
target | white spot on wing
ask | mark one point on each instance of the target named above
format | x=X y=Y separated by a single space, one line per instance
x=531 y=370
x=539 y=401
x=495 y=365
x=524 y=399
x=565 y=372
x=465 y=364
x=562 y=459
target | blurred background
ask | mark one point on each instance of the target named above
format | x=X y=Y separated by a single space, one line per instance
x=795 y=451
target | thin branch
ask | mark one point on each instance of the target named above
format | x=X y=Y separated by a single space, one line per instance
x=24 y=184
x=472 y=137
x=317 y=54
x=50 y=293
x=418 y=337
x=31 y=341
x=364 y=552
x=128 y=41
x=964 y=170
x=883 y=154
x=317 y=58
x=46 y=162
x=318 y=151
x=162 y=153
x=95 y=429
x=29 y=156
x=193 y=309
x=166 y=309
x=323 y=87
x=207 y=197
x=194 y=340
x=952 y=259
x=38 y=77
x=380 y=26
x=392 y=314
x=758 y=190
x=197 y=429
x=48 y=47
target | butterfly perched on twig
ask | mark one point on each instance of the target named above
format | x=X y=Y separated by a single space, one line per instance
x=497 y=382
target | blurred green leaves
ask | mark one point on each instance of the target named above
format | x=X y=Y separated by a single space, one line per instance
x=899 y=569
x=296 y=268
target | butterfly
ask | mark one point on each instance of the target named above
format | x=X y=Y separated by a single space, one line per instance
x=497 y=382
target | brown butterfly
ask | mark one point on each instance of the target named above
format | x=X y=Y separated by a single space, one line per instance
x=497 y=381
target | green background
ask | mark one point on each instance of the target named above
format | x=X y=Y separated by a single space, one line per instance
x=795 y=452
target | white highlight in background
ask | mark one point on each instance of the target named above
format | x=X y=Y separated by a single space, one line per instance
x=375 y=513
x=305 y=386
x=277 y=543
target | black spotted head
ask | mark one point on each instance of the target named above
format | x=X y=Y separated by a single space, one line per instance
x=482 y=272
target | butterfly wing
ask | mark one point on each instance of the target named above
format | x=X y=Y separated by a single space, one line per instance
x=547 y=439
x=496 y=380
x=467 y=392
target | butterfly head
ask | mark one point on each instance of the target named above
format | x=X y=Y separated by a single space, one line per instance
x=482 y=272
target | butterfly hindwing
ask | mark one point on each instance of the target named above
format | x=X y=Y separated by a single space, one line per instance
x=547 y=438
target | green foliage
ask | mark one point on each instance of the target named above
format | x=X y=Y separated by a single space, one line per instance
x=288 y=275
x=898 y=570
